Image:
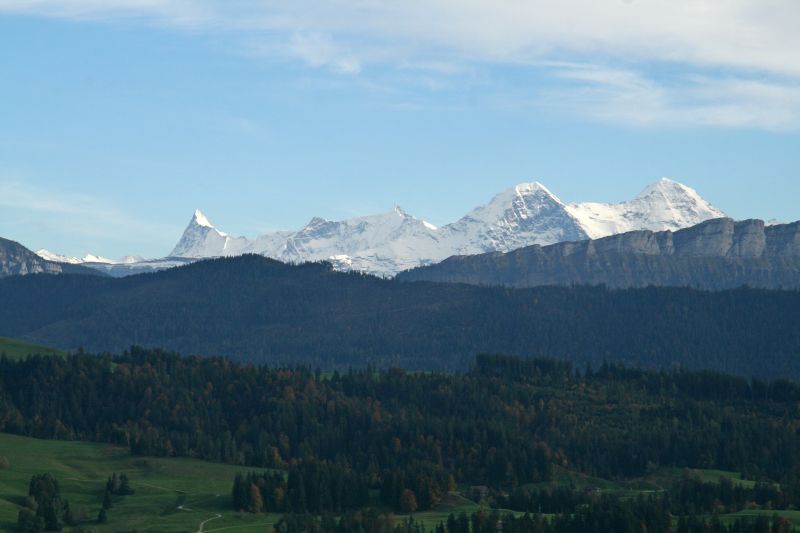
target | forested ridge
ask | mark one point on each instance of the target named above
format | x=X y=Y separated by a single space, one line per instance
x=506 y=423
x=255 y=309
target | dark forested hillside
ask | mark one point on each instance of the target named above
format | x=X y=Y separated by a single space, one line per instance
x=255 y=309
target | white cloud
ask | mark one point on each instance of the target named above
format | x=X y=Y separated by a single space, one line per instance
x=626 y=97
x=751 y=34
x=319 y=50
x=745 y=49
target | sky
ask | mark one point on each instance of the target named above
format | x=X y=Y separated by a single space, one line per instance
x=118 y=118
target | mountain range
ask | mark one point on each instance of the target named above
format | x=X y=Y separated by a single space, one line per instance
x=715 y=254
x=16 y=260
x=388 y=243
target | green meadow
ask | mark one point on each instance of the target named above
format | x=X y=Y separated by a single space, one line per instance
x=172 y=494
x=16 y=349
x=186 y=495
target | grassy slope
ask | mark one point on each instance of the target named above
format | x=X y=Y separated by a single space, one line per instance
x=202 y=488
x=161 y=486
x=16 y=348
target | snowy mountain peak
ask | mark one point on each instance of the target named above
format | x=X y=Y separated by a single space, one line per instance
x=201 y=220
x=384 y=244
x=534 y=187
x=202 y=239
x=525 y=214
x=663 y=205
x=400 y=211
x=57 y=258
x=88 y=258
x=667 y=188
x=520 y=201
x=91 y=258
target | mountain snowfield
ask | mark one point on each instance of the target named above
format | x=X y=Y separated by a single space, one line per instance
x=388 y=243
x=88 y=258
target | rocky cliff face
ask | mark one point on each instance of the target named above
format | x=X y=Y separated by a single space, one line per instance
x=15 y=259
x=716 y=254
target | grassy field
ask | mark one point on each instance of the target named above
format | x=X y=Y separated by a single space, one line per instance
x=568 y=478
x=16 y=348
x=172 y=495
x=793 y=516
x=665 y=476
x=178 y=495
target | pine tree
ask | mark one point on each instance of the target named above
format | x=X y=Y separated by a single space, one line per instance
x=102 y=516
x=26 y=520
x=107 y=503
x=69 y=519
x=124 y=485
x=239 y=493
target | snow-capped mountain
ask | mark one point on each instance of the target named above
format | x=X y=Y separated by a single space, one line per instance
x=88 y=258
x=525 y=214
x=520 y=216
x=388 y=243
x=394 y=240
x=663 y=205
x=201 y=239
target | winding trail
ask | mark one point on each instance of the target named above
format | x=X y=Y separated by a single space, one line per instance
x=204 y=522
x=182 y=507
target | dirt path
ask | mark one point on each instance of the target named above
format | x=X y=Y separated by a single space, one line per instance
x=204 y=522
x=201 y=527
x=162 y=488
x=234 y=527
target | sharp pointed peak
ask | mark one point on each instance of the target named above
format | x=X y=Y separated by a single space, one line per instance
x=201 y=220
x=399 y=211
x=316 y=221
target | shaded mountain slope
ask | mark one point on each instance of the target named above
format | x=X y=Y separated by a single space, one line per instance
x=717 y=254
x=255 y=309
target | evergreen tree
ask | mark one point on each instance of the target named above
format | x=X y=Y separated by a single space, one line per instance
x=124 y=486
x=107 y=503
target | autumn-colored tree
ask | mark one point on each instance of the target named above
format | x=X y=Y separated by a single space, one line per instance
x=408 y=501
x=451 y=484
x=256 y=503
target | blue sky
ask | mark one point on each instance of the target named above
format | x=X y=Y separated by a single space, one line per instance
x=119 y=117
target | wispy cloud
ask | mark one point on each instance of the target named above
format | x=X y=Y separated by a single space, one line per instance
x=82 y=215
x=319 y=50
x=627 y=97
x=752 y=34
x=745 y=51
